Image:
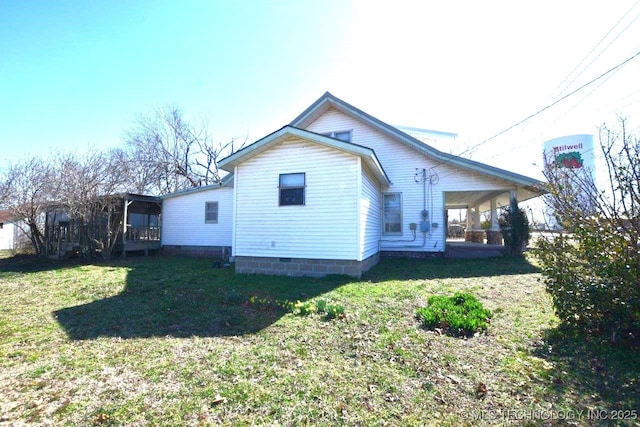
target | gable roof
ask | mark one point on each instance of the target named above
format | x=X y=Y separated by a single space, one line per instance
x=227 y=181
x=287 y=132
x=327 y=101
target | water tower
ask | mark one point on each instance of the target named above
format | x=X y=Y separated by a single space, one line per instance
x=573 y=152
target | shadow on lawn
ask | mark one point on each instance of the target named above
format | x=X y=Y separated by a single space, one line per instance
x=185 y=297
x=598 y=374
x=443 y=268
x=28 y=263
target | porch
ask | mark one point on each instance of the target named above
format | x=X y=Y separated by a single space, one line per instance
x=471 y=239
x=104 y=229
x=462 y=249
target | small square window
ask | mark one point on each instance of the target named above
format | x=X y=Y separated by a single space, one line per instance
x=342 y=135
x=211 y=212
x=292 y=189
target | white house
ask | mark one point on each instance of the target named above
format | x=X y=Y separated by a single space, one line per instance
x=199 y=221
x=8 y=232
x=332 y=190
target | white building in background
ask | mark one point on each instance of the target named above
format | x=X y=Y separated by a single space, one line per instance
x=8 y=232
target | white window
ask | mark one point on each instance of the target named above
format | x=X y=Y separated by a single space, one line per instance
x=342 y=135
x=392 y=214
x=292 y=189
x=211 y=212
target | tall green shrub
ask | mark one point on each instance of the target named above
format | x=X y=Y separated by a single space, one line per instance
x=515 y=230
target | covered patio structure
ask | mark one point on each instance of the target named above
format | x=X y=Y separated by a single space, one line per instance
x=103 y=229
x=478 y=242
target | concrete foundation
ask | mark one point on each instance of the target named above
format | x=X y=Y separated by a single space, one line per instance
x=219 y=252
x=303 y=266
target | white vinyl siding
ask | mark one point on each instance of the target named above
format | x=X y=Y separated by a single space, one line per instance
x=7 y=234
x=182 y=222
x=400 y=163
x=370 y=210
x=324 y=228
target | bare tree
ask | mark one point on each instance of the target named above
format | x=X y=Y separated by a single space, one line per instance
x=27 y=188
x=169 y=153
x=592 y=271
x=88 y=190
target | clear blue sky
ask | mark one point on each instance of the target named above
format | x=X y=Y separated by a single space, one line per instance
x=75 y=74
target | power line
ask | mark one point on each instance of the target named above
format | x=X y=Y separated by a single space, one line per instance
x=529 y=117
x=558 y=89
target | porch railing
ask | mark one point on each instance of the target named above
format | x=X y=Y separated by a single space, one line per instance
x=135 y=234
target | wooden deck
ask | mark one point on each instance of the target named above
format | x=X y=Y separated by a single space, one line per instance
x=138 y=246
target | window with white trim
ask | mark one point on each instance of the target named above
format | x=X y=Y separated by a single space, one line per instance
x=392 y=213
x=341 y=135
x=292 y=189
x=211 y=212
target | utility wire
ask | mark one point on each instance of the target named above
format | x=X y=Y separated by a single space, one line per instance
x=611 y=70
x=560 y=88
x=529 y=117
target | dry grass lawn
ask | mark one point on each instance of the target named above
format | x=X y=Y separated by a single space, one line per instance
x=173 y=341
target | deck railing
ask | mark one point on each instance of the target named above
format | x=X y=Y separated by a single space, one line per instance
x=135 y=234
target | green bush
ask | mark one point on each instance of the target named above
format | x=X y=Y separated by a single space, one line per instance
x=592 y=277
x=460 y=314
x=515 y=230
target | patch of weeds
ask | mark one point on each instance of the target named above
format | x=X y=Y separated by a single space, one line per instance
x=103 y=418
x=450 y=358
x=267 y=304
x=303 y=308
x=232 y=297
x=460 y=314
x=321 y=306
x=39 y=371
x=335 y=311
x=330 y=311
x=299 y=308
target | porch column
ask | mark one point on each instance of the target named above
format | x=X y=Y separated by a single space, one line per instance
x=477 y=224
x=494 y=235
x=494 y=216
x=474 y=232
x=124 y=226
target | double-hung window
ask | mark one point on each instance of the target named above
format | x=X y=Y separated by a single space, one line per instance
x=211 y=212
x=392 y=213
x=292 y=189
